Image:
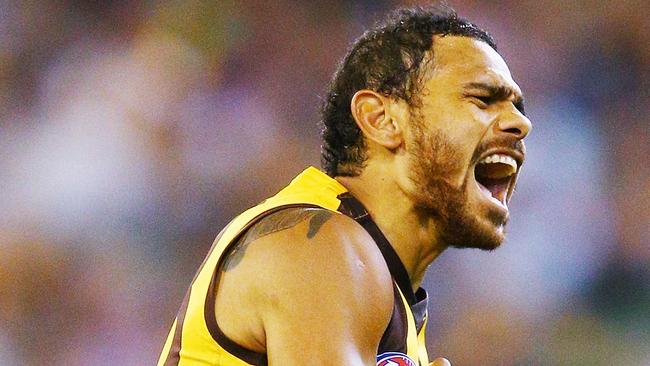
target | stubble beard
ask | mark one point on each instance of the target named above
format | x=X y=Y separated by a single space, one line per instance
x=432 y=158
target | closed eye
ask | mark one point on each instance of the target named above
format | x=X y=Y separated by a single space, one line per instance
x=486 y=94
x=484 y=101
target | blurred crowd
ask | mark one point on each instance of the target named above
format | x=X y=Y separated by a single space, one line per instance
x=132 y=132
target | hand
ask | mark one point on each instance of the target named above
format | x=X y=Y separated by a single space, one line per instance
x=440 y=362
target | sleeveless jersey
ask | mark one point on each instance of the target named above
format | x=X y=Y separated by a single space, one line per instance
x=195 y=339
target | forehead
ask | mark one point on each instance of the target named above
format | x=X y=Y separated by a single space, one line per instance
x=464 y=60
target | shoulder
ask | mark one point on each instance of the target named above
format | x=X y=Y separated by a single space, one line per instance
x=301 y=224
x=303 y=261
x=294 y=238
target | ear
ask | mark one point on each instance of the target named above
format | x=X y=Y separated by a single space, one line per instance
x=372 y=113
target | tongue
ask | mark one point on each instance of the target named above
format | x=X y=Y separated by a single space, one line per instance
x=497 y=188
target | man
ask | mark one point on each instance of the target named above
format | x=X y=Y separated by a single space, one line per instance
x=423 y=142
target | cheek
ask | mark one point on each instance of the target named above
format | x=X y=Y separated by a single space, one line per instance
x=469 y=124
x=465 y=136
x=462 y=122
x=462 y=138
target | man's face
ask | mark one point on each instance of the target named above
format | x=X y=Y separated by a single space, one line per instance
x=465 y=142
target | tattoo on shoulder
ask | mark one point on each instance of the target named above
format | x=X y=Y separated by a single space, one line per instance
x=274 y=223
x=319 y=218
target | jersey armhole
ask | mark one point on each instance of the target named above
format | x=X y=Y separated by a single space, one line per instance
x=393 y=339
x=209 y=311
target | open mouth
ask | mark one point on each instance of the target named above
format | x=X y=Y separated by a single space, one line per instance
x=494 y=175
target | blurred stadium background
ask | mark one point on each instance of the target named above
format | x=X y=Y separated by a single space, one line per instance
x=131 y=132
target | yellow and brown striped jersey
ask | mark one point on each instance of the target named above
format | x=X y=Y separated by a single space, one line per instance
x=195 y=338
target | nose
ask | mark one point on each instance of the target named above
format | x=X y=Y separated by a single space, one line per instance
x=515 y=123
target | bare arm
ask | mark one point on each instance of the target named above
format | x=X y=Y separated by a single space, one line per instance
x=317 y=291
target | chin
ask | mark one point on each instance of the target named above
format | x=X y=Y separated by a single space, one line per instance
x=466 y=230
x=464 y=223
x=484 y=240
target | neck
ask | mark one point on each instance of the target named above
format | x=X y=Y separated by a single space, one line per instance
x=412 y=234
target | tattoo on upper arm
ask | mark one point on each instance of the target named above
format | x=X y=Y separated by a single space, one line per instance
x=274 y=223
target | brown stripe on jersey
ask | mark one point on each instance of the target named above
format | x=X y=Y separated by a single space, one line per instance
x=353 y=208
x=235 y=349
x=173 y=357
x=246 y=355
x=396 y=334
x=394 y=338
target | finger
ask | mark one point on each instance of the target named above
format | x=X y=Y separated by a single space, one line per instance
x=440 y=362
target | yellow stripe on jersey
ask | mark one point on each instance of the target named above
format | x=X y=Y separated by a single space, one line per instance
x=412 y=349
x=423 y=355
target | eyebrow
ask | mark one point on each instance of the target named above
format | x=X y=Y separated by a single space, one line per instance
x=500 y=92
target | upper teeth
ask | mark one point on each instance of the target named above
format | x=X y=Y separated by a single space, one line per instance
x=500 y=158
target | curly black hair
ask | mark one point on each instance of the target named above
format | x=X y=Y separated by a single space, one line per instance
x=386 y=59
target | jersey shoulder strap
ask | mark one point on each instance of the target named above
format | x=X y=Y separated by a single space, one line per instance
x=405 y=332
